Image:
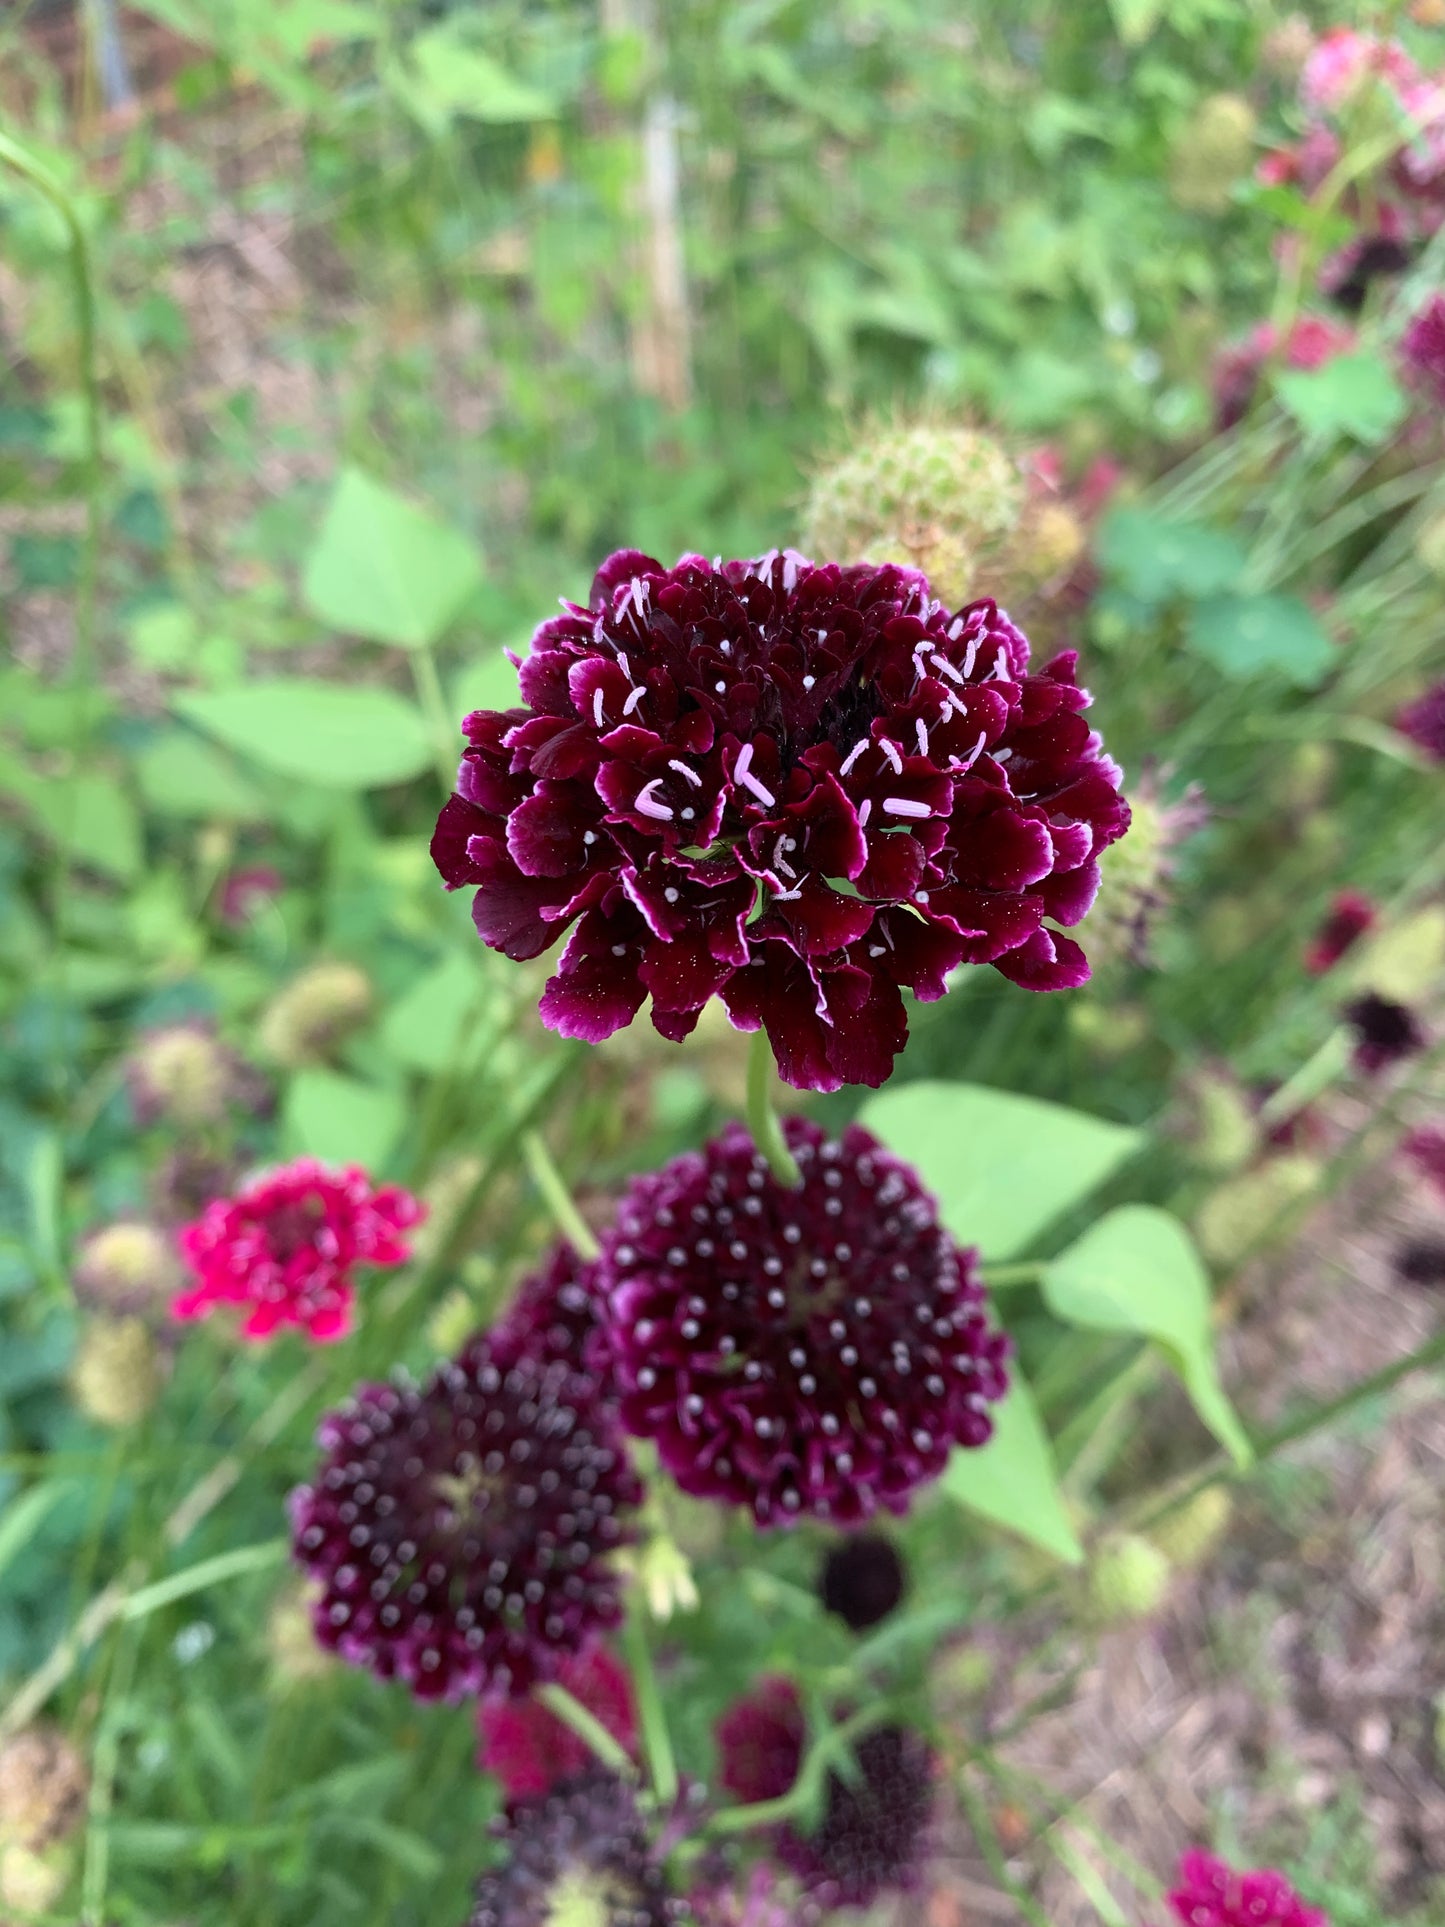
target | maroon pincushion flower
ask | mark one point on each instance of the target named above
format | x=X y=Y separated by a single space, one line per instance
x=528 y=1747
x=554 y=1315
x=460 y=1531
x=1211 y=1894
x=287 y=1245
x=1423 y=721
x=1350 y=916
x=586 y=1841
x=795 y=787
x=812 y=1351
x=1384 y=1032
x=1422 y=348
x=862 y=1579
x=871 y=1833
x=1421 y=1261
x=1425 y=1147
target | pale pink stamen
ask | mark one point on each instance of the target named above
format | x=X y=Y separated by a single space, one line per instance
x=648 y=805
x=854 y=753
x=890 y=750
x=905 y=806
x=688 y=775
x=865 y=810
x=597 y=716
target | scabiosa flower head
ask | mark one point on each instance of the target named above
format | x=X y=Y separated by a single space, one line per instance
x=1211 y=1894
x=115 y=1377
x=581 y=1853
x=1379 y=251
x=287 y=1245
x=1350 y=916
x=554 y=1315
x=1344 y=61
x=245 y=891
x=1135 y=877
x=189 y=1178
x=184 y=1073
x=461 y=1529
x=1384 y=1031
x=312 y=1014
x=796 y=787
x=1422 y=349
x=1423 y=721
x=1421 y=1261
x=932 y=497
x=530 y=1750
x=44 y=1782
x=870 y=1836
x=862 y=1579
x=128 y=1267
x=1210 y=152
x=812 y=1351
x=1425 y=1147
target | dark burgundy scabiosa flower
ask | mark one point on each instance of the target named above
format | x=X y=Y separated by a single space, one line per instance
x=581 y=1853
x=862 y=1580
x=812 y=1351
x=554 y=1315
x=1384 y=1032
x=530 y=1750
x=1425 y=1147
x=795 y=787
x=287 y=1246
x=870 y=1836
x=460 y=1530
x=1422 y=350
x=1421 y=1261
x=1423 y=721
x=1209 y=1893
x=1350 y=916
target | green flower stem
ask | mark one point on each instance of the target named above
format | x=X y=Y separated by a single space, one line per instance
x=763 y=1119
x=1001 y=1277
x=991 y=1847
x=806 y=1792
x=560 y=1202
x=656 y=1741
x=588 y=1728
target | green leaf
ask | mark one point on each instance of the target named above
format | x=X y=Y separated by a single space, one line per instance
x=23 y=1517
x=179 y=775
x=1354 y=395
x=1137 y=1271
x=1012 y=1481
x=350 y=737
x=423 y=1029
x=341 y=1119
x=1003 y=1166
x=91 y=817
x=385 y=569
x=1135 y=20
x=1247 y=635
x=455 y=80
x=1156 y=559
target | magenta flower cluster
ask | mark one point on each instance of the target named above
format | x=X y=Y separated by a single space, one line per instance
x=797 y=787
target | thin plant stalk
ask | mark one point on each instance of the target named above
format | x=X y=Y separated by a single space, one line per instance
x=763 y=1118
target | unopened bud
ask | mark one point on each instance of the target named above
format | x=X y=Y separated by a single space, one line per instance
x=1248 y=1209
x=307 y=1019
x=128 y=1267
x=663 y=1572
x=182 y=1073
x=116 y=1376
x=1188 y=1537
x=1210 y=153
x=1127 y=1579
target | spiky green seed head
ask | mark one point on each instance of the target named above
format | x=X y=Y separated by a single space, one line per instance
x=115 y=1378
x=1043 y=548
x=127 y=1266
x=939 y=499
x=1213 y=148
x=1188 y=1538
x=1128 y=1578
x=1134 y=875
x=1254 y=1208
x=44 y=1786
x=183 y=1073
x=314 y=1012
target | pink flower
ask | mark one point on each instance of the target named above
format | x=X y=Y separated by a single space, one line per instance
x=286 y=1245
x=530 y=1750
x=1211 y=1894
x=1342 y=62
x=1425 y=1147
x=244 y=891
x=1313 y=340
x=1351 y=915
x=1422 y=349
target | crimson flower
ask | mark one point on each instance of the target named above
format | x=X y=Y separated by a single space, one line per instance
x=286 y=1246
x=797 y=787
x=1211 y=1894
x=530 y=1750
x=1342 y=60
x=870 y=1838
x=1422 y=348
x=1423 y=721
x=1350 y=916
x=813 y=1351
x=460 y=1531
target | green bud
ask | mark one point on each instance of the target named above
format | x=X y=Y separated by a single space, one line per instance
x=1134 y=875
x=1211 y=151
x=1127 y=1579
x=1188 y=1537
x=115 y=1378
x=128 y=1266
x=1254 y=1206
x=182 y=1073
x=314 y=1012
x=939 y=499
